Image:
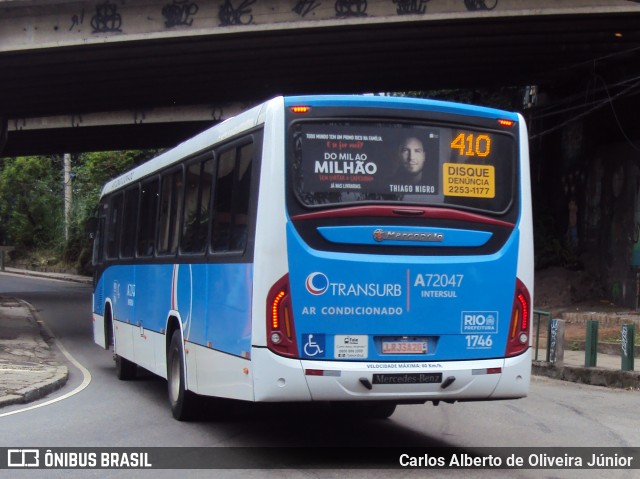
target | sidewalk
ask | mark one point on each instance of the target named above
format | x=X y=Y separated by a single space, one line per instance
x=30 y=369
x=607 y=372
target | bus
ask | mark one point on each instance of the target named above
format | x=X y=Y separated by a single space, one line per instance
x=359 y=251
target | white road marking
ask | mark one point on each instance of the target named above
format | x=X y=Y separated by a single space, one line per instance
x=86 y=379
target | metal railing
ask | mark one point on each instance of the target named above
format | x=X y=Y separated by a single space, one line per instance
x=555 y=335
x=538 y=320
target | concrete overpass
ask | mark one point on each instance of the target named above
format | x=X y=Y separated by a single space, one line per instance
x=107 y=74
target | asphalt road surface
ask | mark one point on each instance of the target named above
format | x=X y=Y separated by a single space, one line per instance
x=113 y=413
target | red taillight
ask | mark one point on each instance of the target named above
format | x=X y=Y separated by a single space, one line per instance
x=518 y=339
x=281 y=338
x=275 y=309
x=523 y=301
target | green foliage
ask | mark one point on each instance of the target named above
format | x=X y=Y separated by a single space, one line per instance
x=32 y=204
x=30 y=201
x=91 y=172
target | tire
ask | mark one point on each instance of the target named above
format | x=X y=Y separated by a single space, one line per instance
x=182 y=402
x=365 y=409
x=380 y=410
x=125 y=369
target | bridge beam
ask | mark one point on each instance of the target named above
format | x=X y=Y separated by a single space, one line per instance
x=189 y=113
x=63 y=60
x=113 y=130
x=35 y=24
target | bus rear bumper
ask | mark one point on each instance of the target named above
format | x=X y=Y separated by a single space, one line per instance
x=515 y=377
x=303 y=380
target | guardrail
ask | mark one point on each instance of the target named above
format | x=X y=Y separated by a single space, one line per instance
x=554 y=344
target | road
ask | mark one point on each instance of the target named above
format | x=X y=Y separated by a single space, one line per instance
x=113 y=413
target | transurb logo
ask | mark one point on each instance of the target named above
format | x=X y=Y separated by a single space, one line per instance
x=317 y=283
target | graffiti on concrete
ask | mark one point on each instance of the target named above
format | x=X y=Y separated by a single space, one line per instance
x=351 y=8
x=475 y=5
x=77 y=20
x=411 y=7
x=236 y=15
x=304 y=7
x=179 y=13
x=107 y=19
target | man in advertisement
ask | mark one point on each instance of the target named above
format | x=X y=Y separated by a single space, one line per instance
x=411 y=158
x=416 y=165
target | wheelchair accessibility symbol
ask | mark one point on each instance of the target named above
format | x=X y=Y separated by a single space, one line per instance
x=314 y=345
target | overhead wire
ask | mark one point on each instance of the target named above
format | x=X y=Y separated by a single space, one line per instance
x=593 y=104
x=553 y=110
x=615 y=115
x=597 y=105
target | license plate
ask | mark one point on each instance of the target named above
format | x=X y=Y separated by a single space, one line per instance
x=407 y=378
x=404 y=347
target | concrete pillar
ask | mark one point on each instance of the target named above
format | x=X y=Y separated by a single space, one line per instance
x=4 y=133
x=556 y=342
x=67 y=194
x=628 y=347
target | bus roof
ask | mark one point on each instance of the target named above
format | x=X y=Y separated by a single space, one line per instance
x=408 y=103
x=253 y=117
x=190 y=147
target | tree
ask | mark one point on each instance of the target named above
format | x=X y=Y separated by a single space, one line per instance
x=30 y=201
x=90 y=172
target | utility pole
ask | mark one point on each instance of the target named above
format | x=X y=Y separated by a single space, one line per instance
x=67 y=194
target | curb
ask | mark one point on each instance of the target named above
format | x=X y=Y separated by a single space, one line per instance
x=43 y=388
x=43 y=274
x=61 y=375
x=38 y=390
x=58 y=373
x=591 y=376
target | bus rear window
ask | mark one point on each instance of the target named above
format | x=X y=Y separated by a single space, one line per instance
x=356 y=162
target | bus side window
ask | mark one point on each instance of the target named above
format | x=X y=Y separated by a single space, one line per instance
x=148 y=217
x=170 y=200
x=231 y=199
x=98 y=245
x=129 y=222
x=222 y=203
x=115 y=224
x=196 y=206
x=241 y=199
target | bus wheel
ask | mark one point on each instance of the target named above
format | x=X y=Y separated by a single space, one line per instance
x=125 y=369
x=365 y=409
x=379 y=410
x=182 y=402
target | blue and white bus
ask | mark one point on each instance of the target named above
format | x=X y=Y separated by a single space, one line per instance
x=356 y=250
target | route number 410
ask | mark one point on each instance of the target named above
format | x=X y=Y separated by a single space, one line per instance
x=472 y=145
x=478 y=341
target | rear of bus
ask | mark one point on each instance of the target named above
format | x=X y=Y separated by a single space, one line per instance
x=403 y=269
